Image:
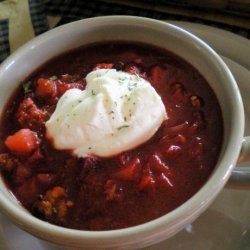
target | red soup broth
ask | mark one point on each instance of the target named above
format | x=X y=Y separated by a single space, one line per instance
x=125 y=190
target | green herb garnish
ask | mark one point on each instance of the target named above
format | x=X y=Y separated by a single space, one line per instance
x=124 y=126
x=26 y=87
x=53 y=78
x=54 y=210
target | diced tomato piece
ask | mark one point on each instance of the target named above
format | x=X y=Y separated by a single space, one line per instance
x=63 y=87
x=158 y=75
x=129 y=172
x=46 y=88
x=158 y=165
x=23 y=142
x=147 y=180
x=28 y=115
x=103 y=66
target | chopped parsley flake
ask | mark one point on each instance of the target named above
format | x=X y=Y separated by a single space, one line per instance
x=26 y=87
x=92 y=92
x=54 y=210
x=121 y=127
x=53 y=78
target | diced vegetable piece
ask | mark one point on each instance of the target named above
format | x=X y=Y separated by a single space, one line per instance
x=129 y=172
x=158 y=165
x=46 y=88
x=28 y=115
x=147 y=180
x=23 y=142
x=63 y=87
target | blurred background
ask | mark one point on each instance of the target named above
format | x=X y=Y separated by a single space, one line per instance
x=20 y=20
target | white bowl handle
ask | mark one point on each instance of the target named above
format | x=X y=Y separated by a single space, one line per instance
x=240 y=177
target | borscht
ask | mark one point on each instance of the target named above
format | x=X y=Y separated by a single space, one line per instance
x=109 y=135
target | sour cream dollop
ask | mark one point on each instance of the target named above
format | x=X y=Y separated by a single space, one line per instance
x=116 y=112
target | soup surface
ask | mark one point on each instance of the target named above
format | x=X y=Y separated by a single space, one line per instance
x=133 y=187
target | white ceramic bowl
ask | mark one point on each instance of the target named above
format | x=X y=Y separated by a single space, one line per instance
x=35 y=53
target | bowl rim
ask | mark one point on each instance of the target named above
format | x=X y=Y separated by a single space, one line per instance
x=208 y=190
